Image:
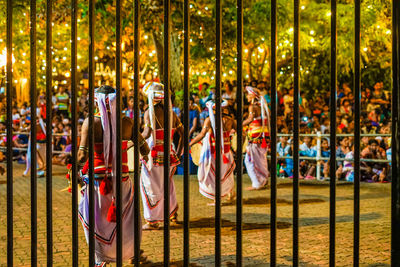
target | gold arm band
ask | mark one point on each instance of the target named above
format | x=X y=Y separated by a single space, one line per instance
x=141 y=143
x=83 y=148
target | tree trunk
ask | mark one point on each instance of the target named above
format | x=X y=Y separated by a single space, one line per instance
x=175 y=59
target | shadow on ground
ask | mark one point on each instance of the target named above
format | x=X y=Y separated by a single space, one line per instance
x=205 y=226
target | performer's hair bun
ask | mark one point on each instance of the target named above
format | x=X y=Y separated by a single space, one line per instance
x=105 y=89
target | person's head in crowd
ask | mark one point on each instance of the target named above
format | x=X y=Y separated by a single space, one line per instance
x=228 y=87
x=142 y=105
x=204 y=87
x=343 y=141
x=307 y=140
x=283 y=140
x=131 y=103
x=3 y=126
x=131 y=93
x=325 y=144
x=373 y=145
x=60 y=128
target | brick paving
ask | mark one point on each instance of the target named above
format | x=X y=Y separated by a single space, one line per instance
x=314 y=226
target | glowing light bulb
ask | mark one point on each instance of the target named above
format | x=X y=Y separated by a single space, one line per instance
x=365 y=49
x=312 y=32
x=146 y=37
x=328 y=13
x=312 y=40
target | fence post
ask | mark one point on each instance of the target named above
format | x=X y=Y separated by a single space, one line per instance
x=318 y=157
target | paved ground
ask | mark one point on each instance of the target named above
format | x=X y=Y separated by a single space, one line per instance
x=314 y=223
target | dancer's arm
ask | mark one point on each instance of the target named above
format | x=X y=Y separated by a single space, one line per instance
x=206 y=128
x=84 y=145
x=179 y=129
x=147 y=128
x=250 y=118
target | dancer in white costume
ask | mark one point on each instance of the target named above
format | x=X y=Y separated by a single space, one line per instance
x=257 y=133
x=152 y=175
x=105 y=180
x=206 y=171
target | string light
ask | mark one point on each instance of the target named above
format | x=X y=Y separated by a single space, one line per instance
x=230 y=72
x=96 y=58
x=206 y=8
x=210 y=48
x=64 y=58
x=246 y=50
x=65 y=49
x=312 y=32
x=79 y=38
x=204 y=73
x=312 y=40
x=224 y=75
x=56 y=59
x=365 y=49
x=328 y=13
x=388 y=32
x=260 y=50
x=23 y=62
x=290 y=30
x=303 y=7
x=146 y=37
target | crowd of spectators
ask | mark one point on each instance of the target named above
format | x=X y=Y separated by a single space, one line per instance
x=314 y=117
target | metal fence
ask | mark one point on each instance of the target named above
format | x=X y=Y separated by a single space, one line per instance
x=395 y=244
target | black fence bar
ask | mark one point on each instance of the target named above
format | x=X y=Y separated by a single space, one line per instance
x=395 y=244
x=118 y=172
x=273 y=132
x=91 y=131
x=332 y=162
x=49 y=132
x=186 y=122
x=136 y=177
x=10 y=236
x=167 y=130
x=218 y=48
x=296 y=118
x=74 y=119
x=357 y=106
x=239 y=120
x=33 y=156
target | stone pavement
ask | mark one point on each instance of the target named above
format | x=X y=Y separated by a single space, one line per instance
x=314 y=226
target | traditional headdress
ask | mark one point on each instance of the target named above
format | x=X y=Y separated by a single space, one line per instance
x=105 y=98
x=211 y=105
x=155 y=93
x=264 y=109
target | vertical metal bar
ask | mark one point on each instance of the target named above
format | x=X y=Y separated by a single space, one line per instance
x=91 y=131
x=10 y=236
x=136 y=133
x=357 y=96
x=186 y=86
x=296 y=130
x=49 y=132
x=395 y=244
x=33 y=96
x=118 y=71
x=167 y=130
x=332 y=162
x=74 y=167
x=218 y=67
x=239 y=118
x=273 y=131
